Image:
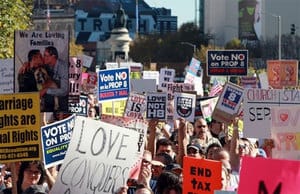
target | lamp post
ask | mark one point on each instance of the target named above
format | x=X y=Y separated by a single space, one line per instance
x=279 y=32
x=190 y=44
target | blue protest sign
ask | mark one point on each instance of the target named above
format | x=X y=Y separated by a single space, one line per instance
x=113 y=84
x=55 y=140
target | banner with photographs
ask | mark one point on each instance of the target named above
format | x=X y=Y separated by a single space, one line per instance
x=41 y=64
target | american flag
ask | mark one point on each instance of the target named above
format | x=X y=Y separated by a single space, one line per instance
x=216 y=90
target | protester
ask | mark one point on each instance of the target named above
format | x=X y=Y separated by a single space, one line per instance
x=29 y=173
x=202 y=134
x=169 y=182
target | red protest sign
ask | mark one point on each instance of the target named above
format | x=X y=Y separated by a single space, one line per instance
x=269 y=176
x=201 y=176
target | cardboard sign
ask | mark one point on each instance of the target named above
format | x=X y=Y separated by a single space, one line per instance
x=151 y=75
x=89 y=82
x=257 y=109
x=165 y=76
x=285 y=131
x=263 y=80
x=282 y=73
x=156 y=106
x=136 y=124
x=6 y=76
x=136 y=106
x=75 y=67
x=201 y=176
x=113 y=84
x=227 y=62
x=229 y=102
x=55 y=140
x=116 y=108
x=99 y=158
x=20 y=127
x=184 y=106
x=143 y=85
x=269 y=176
x=87 y=60
x=208 y=106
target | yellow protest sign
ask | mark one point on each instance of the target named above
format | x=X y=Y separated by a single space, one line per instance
x=19 y=127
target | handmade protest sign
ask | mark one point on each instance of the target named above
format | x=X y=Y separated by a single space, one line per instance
x=229 y=102
x=140 y=125
x=207 y=106
x=270 y=176
x=156 y=105
x=75 y=69
x=55 y=140
x=6 y=76
x=282 y=73
x=136 y=106
x=20 y=127
x=166 y=75
x=184 y=105
x=257 y=109
x=98 y=159
x=285 y=131
x=201 y=176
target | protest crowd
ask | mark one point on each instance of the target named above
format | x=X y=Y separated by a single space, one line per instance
x=124 y=135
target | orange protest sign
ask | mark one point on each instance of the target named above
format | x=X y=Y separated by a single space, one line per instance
x=282 y=73
x=201 y=176
x=261 y=175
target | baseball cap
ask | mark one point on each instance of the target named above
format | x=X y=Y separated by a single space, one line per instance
x=261 y=153
x=196 y=146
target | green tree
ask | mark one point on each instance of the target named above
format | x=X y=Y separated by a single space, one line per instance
x=14 y=15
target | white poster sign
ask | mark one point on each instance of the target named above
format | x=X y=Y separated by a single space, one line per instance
x=6 y=76
x=229 y=103
x=184 y=106
x=99 y=158
x=285 y=131
x=257 y=109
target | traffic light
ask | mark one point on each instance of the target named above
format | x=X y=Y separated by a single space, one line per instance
x=293 y=29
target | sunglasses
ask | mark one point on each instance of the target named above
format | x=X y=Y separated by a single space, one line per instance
x=243 y=146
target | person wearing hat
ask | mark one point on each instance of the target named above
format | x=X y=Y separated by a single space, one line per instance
x=195 y=150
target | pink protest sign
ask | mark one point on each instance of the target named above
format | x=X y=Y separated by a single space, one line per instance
x=285 y=131
x=261 y=175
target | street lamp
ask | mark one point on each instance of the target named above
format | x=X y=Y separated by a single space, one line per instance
x=190 y=44
x=279 y=31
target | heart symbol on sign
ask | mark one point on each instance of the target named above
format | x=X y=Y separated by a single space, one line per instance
x=290 y=137
x=284 y=117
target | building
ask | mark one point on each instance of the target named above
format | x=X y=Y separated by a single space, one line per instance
x=91 y=21
x=221 y=18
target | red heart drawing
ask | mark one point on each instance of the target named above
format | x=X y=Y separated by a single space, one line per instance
x=290 y=137
x=284 y=116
